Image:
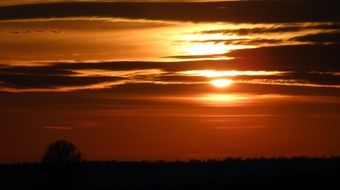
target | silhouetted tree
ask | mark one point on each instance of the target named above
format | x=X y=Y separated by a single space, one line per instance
x=61 y=152
x=61 y=165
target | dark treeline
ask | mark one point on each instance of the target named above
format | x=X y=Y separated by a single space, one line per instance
x=231 y=173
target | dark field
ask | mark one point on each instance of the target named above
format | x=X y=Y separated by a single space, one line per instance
x=278 y=173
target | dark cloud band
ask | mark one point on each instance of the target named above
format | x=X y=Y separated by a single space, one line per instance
x=238 y=11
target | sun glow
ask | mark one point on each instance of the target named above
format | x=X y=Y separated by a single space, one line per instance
x=221 y=83
x=223 y=98
x=206 y=49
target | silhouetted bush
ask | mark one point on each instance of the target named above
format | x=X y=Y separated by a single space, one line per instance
x=61 y=152
x=61 y=165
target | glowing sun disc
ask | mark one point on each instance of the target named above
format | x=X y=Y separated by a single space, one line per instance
x=221 y=83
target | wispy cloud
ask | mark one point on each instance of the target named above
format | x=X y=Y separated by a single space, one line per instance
x=251 y=11
x=323 y=38
x=289 y=82
x=87 y=39
x=93 y=76
x=61 y=128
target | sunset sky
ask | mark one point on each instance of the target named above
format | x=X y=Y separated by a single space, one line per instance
x=150 y=80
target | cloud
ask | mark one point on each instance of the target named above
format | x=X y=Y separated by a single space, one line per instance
x=302 y=65
x=256 y=30
x=95 y=39
x=192 y=57
x=44 y=81
x=234 y=11
x=330 y=38
x=264 y=35
x=261 y=42
x=293 y=57
x=58 y=25
x=18 y=2
x=59 y=128
x=271 y=66
x=37 y=31
x=275 y=28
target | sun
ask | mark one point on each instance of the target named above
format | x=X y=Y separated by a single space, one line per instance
x=221 y=83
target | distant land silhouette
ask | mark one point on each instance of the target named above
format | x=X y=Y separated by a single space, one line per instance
x=61 y=167
x=235 y=173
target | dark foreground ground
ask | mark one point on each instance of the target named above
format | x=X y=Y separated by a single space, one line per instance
x=279 y=173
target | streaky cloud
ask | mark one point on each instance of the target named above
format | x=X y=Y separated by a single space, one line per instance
x=323 y=38
x=233 y=11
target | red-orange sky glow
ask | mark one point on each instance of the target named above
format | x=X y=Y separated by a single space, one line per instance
x=123 y=84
